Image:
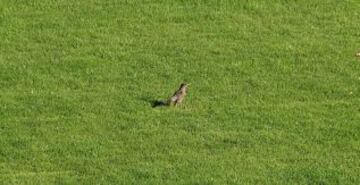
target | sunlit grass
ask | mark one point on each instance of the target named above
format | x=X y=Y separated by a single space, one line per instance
x=274 y=96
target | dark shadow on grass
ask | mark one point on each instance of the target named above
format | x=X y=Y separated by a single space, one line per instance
x=158 y=103
x=153 y=102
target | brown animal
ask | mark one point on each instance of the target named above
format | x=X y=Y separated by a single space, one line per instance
x=179 y=95
x=175 y=99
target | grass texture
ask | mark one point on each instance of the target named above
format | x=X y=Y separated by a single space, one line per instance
x=274 y=95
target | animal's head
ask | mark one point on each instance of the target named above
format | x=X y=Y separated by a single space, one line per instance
x=184 y=85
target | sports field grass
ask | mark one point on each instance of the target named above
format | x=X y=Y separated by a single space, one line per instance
x=274 y=95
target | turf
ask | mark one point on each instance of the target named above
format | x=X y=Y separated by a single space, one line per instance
x=274 y=95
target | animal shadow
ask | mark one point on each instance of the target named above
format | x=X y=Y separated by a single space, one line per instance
x=158 y=103
x=154 y=102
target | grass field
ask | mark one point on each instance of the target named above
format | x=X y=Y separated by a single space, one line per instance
x=274 y=96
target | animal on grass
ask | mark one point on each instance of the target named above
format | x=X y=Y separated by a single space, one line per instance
x=176 y=99
x=179 y=95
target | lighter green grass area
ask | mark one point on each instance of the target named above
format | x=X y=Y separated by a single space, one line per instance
x=274 y=96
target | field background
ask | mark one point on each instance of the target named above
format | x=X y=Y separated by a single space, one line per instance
x=274 y=96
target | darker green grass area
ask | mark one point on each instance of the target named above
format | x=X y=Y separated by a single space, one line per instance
x=274 y=95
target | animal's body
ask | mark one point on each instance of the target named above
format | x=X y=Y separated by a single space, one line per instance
x=179 y=95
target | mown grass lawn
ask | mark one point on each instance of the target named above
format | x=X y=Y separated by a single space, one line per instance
x=274 y=96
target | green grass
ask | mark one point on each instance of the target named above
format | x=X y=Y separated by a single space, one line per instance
x=274 y=97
